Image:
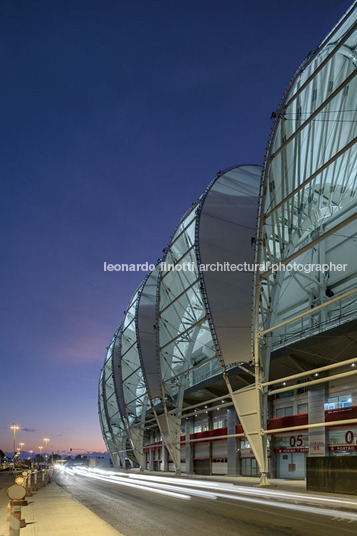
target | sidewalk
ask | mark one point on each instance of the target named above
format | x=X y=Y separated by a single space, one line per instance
x=51 y=511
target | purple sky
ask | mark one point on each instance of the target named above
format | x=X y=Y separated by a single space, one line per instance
x=115 y=115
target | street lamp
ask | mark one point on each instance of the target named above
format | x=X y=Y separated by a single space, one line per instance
x=14 y=427
x=46 y=440
x=40 y=449
x=83 y=450
x=20 y=449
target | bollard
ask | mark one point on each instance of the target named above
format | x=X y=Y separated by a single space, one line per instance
x=50 y=473
x=16 y=522
x=19 y=480
x=43 y=478
x=8 y=512
x=28 y=487
x=16 y=494
x=14 y=525
x=35 y=488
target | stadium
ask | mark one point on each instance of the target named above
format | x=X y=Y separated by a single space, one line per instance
x=229 y=371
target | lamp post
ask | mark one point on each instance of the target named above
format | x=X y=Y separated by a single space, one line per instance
x=46 y=440
x=14 y=427
x=40 y=449
x=20 y=449
x=82 y=450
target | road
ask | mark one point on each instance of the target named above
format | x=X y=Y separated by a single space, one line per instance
x=221 y=511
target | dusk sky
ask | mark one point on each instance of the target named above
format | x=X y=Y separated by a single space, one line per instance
x=115 y=115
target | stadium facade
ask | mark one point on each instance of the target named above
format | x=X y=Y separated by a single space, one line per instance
x=215 y=371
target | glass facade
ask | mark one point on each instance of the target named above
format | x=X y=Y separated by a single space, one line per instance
x=185 y=341
x=308 y=198
x=123 y=398
x=134 y=389
x=167 y=343
x=112 y=425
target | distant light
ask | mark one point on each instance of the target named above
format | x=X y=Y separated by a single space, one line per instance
x=316 y=373
x=284 y=383
x=353 y=365
x=206 y=407
x=349 y=400
x=206 y=411
x=218 y=409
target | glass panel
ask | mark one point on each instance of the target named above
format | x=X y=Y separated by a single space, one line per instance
x=311 y=183
x=187 y=351
x=302 y=408
x=134 y=389
x=345 y=401
x=331 y=403
x=289 y=410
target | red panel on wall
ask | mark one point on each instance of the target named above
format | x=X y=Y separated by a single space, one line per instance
x=285 y=422
x=341 y=414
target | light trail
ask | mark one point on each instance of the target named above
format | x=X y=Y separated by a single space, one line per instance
x=339 y=514
x=165 y=486
x=184 y=489
x=246 y=490
x=185 y=482
x=130 y=485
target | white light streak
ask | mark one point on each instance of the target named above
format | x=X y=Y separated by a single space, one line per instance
x=83 y=472
x=183 y=488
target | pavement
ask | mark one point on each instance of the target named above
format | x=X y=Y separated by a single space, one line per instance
x=51 y=511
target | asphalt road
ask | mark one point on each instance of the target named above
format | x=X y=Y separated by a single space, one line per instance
x=139 y=512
